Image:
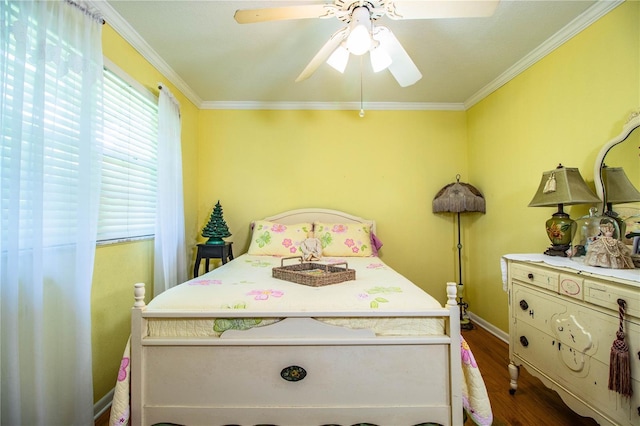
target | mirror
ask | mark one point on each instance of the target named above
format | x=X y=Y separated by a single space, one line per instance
x=625 y=155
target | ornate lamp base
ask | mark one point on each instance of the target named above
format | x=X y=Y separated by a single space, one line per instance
x=560 y=230
x=559 y=250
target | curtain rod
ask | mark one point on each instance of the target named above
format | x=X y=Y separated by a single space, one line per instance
x=96 y=15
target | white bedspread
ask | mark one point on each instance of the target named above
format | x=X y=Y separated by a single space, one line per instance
x=246 y=284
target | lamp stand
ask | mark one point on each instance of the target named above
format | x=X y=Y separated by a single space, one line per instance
x=465 y=322
x=560 y=230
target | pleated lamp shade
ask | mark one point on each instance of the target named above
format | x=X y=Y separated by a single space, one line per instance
x=618 y=189
x=458 y=197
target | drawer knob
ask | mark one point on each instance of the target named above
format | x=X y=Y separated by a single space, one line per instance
x=524 y=305
x=530 y=275
x=293 y=373
x=524 y=341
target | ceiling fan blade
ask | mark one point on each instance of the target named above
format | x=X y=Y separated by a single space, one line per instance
x=324 y=53
x=250 y=16
x=402 y=67
x=434 y=9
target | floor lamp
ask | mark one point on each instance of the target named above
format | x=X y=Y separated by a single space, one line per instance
x=459 y=197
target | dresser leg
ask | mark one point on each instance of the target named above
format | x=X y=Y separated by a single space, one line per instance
x=514 y=372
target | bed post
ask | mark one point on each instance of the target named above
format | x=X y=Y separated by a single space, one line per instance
x=455 y=361
x=136 y=368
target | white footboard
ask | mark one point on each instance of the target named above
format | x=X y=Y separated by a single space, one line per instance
x=297 y=372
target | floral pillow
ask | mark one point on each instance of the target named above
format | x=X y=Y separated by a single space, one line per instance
x=344 y=239
x=276 y=239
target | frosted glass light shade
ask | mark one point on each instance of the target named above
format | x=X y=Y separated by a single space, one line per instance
x=359 y=40
x=339 y=59
x=380 y=59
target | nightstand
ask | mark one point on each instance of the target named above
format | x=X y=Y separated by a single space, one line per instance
x=223 y=252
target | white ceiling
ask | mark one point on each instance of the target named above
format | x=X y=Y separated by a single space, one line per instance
x=218 y=63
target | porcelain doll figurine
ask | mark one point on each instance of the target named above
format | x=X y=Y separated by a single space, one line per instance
x=311 y=248
x=608 y=252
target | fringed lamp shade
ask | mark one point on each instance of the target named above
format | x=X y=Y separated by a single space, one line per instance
x=459 y=197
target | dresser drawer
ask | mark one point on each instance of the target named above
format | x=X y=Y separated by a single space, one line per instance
x=535 y=308
x=540 y=277
x=571 y=285
x=535 y=347
x=551 y=359
x=606 y=295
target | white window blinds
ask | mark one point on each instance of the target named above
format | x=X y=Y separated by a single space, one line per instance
x=128 y=194
x=41 y=113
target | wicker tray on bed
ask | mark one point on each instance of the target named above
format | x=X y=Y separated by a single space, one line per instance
x=313 y=274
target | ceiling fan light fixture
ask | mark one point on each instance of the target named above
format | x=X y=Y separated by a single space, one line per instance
x=359 y=40
x=338 y=59
x=380 y=59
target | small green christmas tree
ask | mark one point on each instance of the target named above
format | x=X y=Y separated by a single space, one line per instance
x=217 y=228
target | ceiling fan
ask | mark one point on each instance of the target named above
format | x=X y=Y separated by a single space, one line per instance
x=361 y=35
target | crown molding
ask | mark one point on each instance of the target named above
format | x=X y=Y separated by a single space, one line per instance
x=368 y=106
x=595 y=12
x=122 y=27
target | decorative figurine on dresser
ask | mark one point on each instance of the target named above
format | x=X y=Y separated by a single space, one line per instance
x=606 y=251
x=574 y=322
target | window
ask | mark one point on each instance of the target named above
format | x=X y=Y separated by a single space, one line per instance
x=129 y=170
x=41 y=117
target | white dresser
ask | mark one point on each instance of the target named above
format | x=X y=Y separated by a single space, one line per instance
x=563 y=320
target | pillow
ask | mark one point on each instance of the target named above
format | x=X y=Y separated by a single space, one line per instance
x=275 y=239
x=376 y=244
x=344 y=239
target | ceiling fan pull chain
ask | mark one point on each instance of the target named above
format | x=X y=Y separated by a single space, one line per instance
x=361 y=102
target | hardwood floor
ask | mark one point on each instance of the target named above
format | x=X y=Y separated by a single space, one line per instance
x=532 y=405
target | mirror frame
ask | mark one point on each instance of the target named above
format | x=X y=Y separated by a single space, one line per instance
x=633 y=122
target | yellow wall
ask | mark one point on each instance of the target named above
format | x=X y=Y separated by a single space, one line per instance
x=119 y=266
x=389 y=166
x=561 y=110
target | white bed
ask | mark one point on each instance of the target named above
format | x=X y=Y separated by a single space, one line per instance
x=238 y=347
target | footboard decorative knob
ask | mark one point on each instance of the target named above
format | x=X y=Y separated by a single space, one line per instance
x=293 y=373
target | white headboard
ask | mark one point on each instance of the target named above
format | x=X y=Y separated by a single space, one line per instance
x=320 y=215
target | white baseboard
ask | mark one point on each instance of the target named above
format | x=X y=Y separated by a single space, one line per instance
x=490 y=327
x=100 y=407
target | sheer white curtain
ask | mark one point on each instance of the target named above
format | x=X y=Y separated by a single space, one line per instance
x=50 y=91
x=170 y=265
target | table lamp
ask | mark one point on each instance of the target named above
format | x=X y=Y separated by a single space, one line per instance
x=618 y=189
x=561 y=186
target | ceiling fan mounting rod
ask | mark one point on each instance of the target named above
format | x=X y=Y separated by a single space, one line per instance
x=376 y=8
